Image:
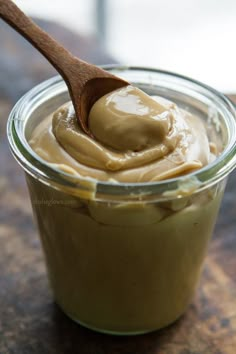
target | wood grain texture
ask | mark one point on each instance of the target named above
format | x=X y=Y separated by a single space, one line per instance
x=30 y=323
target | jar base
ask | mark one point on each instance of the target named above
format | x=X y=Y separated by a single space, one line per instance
x=113 y=332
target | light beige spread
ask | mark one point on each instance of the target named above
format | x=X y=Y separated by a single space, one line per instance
x=136 y=138
x=128 y=266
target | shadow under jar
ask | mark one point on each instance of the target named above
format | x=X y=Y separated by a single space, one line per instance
x=125 y=258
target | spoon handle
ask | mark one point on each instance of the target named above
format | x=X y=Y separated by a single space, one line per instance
x=59 y=57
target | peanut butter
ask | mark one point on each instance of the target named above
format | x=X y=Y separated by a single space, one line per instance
x=130 y=266
x=136 y=138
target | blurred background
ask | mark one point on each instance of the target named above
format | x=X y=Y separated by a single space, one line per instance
x=191 y=37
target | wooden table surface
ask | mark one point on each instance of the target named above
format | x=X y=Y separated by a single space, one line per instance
x=30 y=322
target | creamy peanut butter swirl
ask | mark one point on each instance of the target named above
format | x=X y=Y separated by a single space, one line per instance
x=136 y=138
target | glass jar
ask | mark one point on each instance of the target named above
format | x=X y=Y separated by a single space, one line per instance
x=125 y=258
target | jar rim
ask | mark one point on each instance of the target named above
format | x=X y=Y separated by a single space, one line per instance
x=36 y=166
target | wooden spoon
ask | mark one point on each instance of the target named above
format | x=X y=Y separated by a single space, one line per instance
x=86 y=82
